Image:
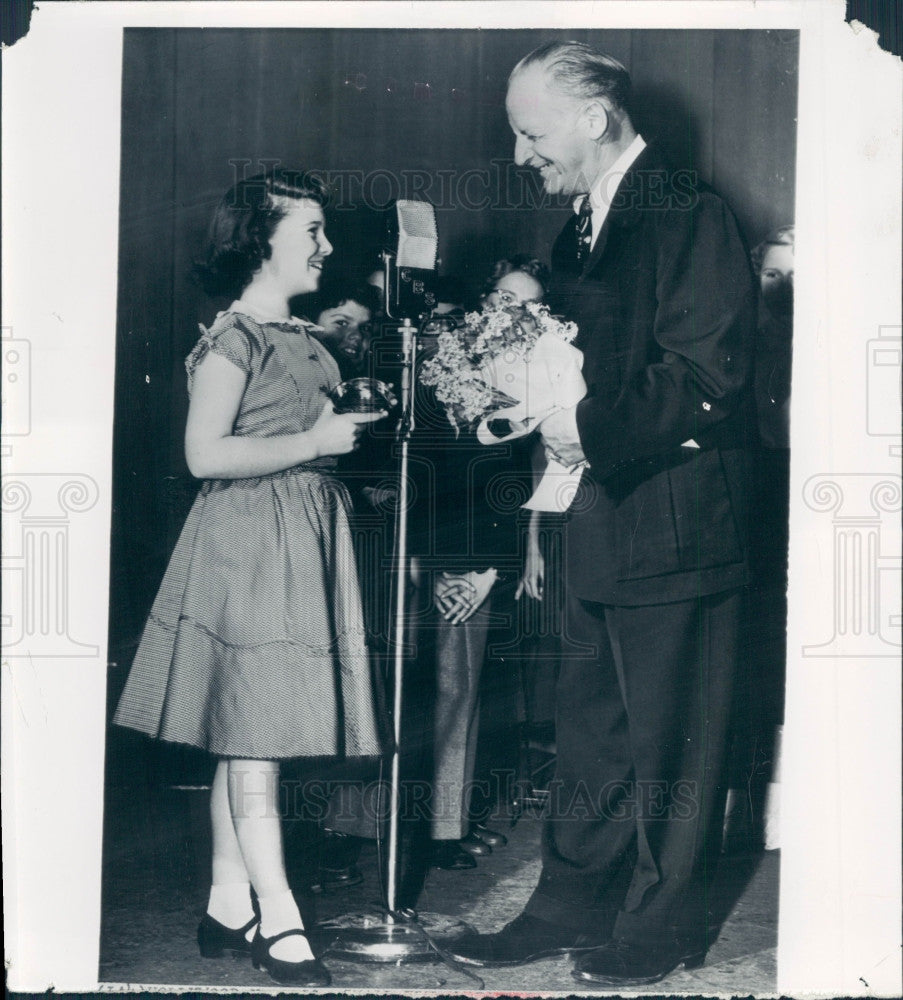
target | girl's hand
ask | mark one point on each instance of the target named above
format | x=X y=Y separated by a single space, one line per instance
x=450 y=589
x=213 y=451
x=380 y=496
x=337 y=433
x=458 y=596
x=534 y=572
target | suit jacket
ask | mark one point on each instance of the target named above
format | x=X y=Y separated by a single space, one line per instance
x=666 y=311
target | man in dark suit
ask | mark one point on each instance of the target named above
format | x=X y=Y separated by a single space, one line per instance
x=654 y=272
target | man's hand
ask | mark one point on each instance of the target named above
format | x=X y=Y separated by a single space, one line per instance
x=459 y=595
x=562 y=441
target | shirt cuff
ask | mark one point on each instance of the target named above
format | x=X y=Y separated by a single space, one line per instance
x=569 y=425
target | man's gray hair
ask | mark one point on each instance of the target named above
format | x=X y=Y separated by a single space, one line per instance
x=580 y=71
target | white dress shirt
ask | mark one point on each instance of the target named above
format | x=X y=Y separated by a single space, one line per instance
x=606 y=186
x=601 y=196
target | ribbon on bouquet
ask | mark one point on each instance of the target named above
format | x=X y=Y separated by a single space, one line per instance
x=544 y=379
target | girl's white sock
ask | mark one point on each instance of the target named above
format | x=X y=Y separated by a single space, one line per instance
x=279 y=913
x=230 y=904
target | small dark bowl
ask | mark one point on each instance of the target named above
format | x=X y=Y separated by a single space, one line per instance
x=362 y=395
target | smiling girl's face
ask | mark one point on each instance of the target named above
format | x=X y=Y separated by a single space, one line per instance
x=299 y=248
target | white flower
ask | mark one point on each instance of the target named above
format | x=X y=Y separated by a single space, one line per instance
x=463 y=369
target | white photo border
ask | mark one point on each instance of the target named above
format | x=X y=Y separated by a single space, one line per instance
x=839 y=930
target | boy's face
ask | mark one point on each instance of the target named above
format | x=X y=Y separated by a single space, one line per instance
x=346 y=331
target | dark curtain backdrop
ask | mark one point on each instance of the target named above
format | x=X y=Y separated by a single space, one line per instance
x=384 y=113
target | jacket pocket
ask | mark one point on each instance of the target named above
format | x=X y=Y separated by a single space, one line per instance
x=708 y=525
x=646 y=540
x=682 y=518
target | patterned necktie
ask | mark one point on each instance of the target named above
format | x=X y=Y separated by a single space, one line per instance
x=584 y=230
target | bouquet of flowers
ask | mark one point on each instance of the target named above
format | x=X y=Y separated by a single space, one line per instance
x=504 y=371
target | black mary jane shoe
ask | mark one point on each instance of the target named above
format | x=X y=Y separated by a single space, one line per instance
x=214 y=938
x=310 y=972
x=621 y=963
x=491 y=837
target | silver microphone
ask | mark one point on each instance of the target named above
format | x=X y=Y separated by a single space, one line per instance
x=418 y=241
x=410 y=264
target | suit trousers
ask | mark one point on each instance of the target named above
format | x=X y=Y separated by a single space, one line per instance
x=634 y=821
x=460 y=652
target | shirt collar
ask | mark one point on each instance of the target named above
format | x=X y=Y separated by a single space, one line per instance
x=259 y=316
x=603 y=191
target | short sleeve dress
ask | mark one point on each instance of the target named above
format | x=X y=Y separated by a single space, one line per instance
x=255 y=644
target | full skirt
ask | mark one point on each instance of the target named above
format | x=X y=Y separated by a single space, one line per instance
x=255 y=645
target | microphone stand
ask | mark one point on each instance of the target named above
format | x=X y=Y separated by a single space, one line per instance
x=396 y=936
x=405 y=430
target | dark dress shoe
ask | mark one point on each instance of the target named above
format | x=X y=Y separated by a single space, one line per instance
x=337 y=868
x=339 y=850
x=214 y=938
x=525 y=939
x=620 y=963
x=331 y=879
x=448 y=854
x=476 y=846
x=310 y=972
x=490 y=837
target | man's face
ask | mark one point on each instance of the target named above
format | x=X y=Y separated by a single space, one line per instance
x=548 y=133
x=346 y=331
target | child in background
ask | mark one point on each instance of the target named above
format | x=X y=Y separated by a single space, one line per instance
x=345 y=313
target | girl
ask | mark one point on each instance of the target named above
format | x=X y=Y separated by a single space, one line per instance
x=254 y=648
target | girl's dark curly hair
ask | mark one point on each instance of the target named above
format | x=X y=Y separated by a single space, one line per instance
x=519 y=262
x=336 y=290
x=239 y=237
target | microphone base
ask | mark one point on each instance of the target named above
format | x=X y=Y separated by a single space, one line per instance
x=373 y=937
